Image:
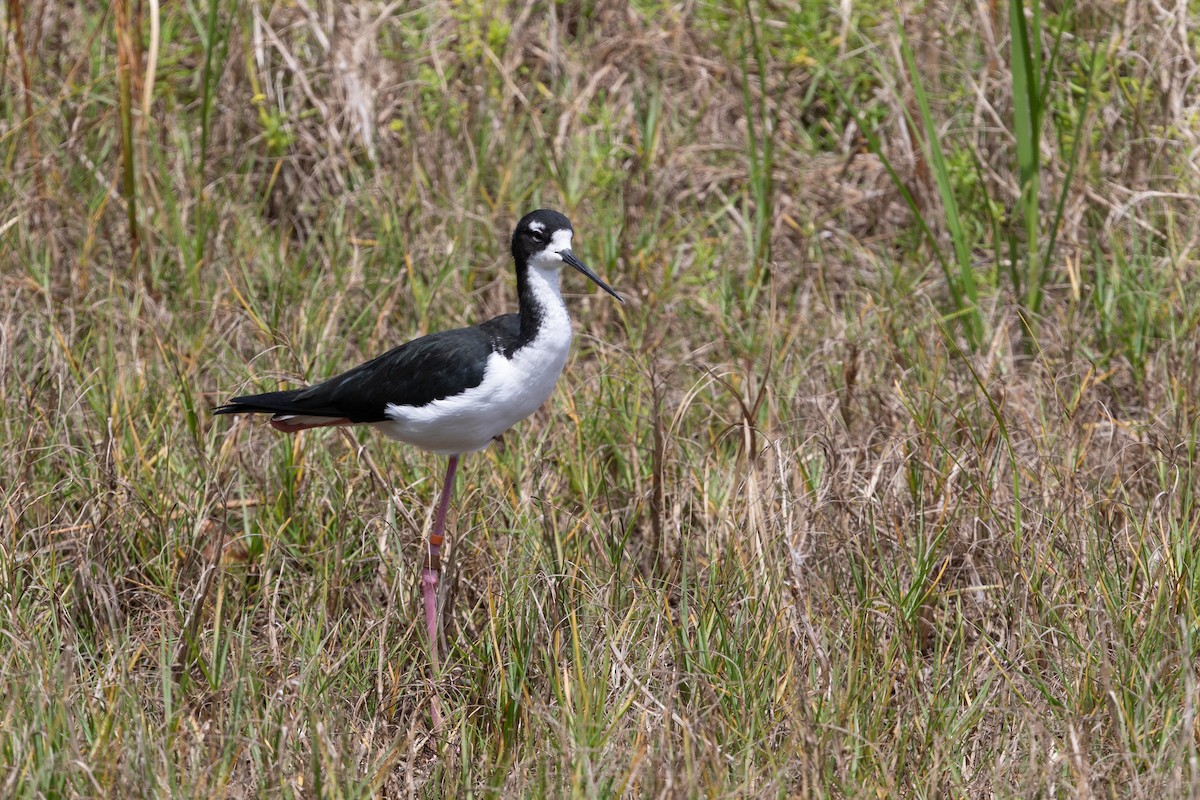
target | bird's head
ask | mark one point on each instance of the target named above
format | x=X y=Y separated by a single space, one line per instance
x=543 y=240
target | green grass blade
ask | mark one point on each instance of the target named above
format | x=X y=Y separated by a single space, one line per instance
x=964 y=278
x=1026 y=113
x=1072 y=159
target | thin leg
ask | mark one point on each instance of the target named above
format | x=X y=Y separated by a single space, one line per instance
x=429 y=577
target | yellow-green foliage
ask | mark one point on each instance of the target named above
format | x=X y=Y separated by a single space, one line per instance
x=784 y=530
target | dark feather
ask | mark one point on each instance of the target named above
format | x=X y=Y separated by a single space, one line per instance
x=414 y=374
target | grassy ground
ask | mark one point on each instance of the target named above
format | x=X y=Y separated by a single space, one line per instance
x=884 y=483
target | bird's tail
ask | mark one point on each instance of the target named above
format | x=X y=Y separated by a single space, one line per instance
x=268 y=403
x=288 y=416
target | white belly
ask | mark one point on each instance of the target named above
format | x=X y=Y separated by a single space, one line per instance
x=511 y=390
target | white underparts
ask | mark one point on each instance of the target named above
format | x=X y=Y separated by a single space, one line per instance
x=512 y=388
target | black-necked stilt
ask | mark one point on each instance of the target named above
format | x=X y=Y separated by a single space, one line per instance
x=455 y=391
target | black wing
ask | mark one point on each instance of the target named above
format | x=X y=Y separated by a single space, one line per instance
x=414 y=374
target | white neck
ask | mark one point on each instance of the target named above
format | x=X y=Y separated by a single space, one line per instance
x=545 y=291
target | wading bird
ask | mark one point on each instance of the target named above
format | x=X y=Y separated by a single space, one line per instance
x=455 y=391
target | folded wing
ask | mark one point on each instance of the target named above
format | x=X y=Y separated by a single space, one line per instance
x=414 y=374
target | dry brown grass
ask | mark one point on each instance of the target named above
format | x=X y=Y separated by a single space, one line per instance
x=782 y=532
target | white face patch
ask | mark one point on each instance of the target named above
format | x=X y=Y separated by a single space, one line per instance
x=537 y=226
x=548 y=257
x=561 y=240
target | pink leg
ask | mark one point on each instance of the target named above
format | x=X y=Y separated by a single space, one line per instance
x=429 y=578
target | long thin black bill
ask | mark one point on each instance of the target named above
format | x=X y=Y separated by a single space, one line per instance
x=569 y=258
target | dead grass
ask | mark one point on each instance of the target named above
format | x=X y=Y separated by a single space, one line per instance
x=781 y=532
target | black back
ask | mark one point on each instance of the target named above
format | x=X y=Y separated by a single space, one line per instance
x=416 y=373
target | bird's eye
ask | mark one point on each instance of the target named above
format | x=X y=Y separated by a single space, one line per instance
x=538 y=236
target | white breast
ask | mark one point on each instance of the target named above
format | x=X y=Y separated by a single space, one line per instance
x=512 y=388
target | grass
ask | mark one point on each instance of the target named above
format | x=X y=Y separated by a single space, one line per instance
x=796 y=522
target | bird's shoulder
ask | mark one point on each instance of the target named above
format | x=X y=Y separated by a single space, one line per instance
x=503 y=332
